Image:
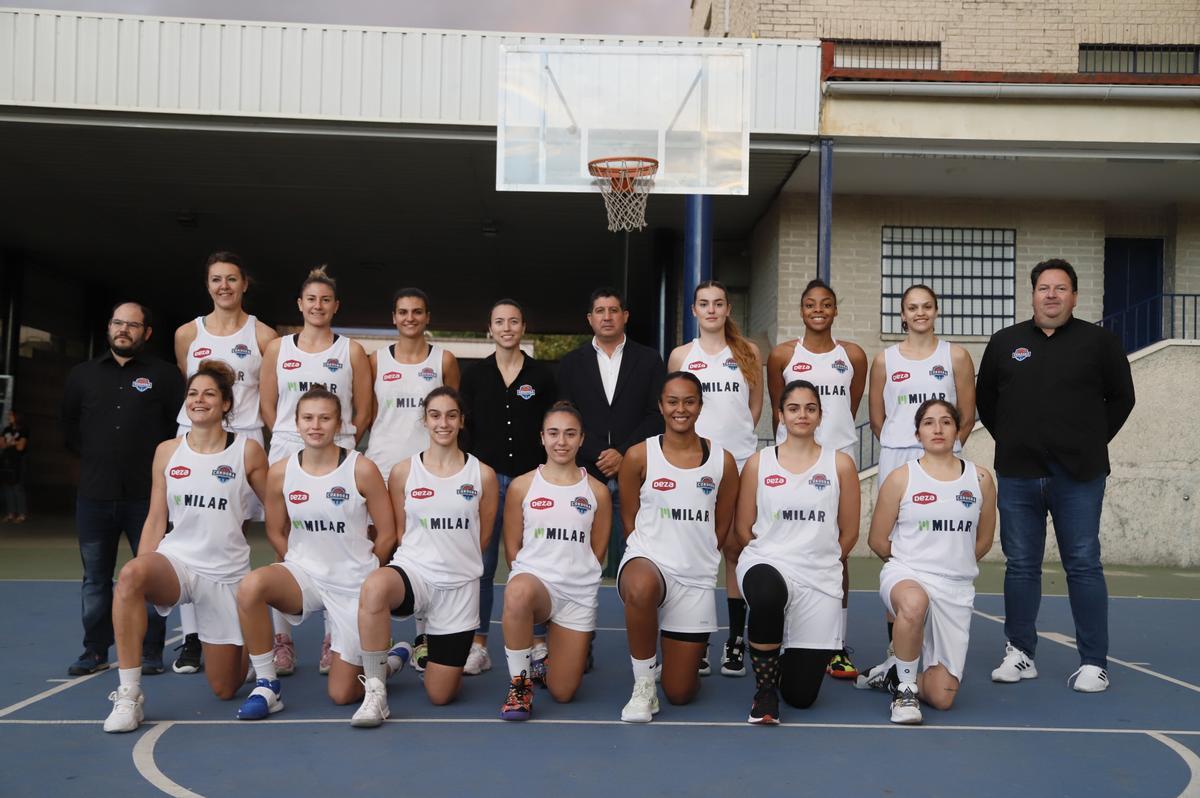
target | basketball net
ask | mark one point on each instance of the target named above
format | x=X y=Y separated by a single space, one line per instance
x=624 y=184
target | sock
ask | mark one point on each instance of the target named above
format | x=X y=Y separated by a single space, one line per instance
x=766 y=668
x=643 y=668
x=519 y=661
x=737 y=618
x=375 y=665
x=130 y=677
x=280 y=624
x=890 y=625
x=845 y=624
x=264 y=666
x=420 y=624
x=906 y=671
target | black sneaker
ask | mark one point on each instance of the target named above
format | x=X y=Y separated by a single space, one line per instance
x=765 y=710
x=152 y=664
x=189 y=655
x=89 y=662
x=705 y=668
x=734 y=662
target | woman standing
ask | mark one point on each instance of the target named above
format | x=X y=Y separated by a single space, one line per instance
x=14 y=441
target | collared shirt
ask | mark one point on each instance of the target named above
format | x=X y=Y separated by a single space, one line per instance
x=610 y=367
x=1059 y=398
x=504 y=422
x=114 y=416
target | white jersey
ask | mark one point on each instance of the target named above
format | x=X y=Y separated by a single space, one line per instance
x=296 y=371
x=398 y=433
x=556 y=545
x=907 y=384
x=725 y=416
x=441 y=525
x=832 y=373
x=207 y=497
x=936 y=526
x=328 y=520
x=796 y=528
x=676 y=523
x=240 y=351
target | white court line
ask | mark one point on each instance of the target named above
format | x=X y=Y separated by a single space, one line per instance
x=1069 y=642
x=1192 y=790
x=143 y=760
x=56 y=681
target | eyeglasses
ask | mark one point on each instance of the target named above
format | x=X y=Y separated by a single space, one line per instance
x=117 y=324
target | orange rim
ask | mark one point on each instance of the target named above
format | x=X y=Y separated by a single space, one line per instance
x=623 y=172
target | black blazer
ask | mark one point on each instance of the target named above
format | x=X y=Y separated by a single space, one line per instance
x=633 y=415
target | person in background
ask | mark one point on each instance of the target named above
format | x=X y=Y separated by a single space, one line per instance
x=14 y=440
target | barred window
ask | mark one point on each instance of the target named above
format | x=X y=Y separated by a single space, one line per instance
x=1152 y=59
x=871 y=54
x=972 y=270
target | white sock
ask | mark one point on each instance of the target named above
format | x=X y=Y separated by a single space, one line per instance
x=643 y=668
x=519 y=661
x=264 y=666
x=906 y=670
x=187 y=619
x=420 y=624
x=845 y=624
x=375 y=665
x=130 y=677
x=282 y=627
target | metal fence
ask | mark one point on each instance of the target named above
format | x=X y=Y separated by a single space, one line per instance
x=1153 y=59
x=878 y=54
x=1154 y=319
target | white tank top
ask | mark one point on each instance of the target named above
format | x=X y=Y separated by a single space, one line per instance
x=907 y=384
x=556 y=545
x=207 y=499
x=725 y=416
x=796 y=529
x=441 y=525
x=241 y=352
x=296 y=371
x=831 y=372
x=398 y=433
x=935 y=529
x=328 y=535
x=676 y=524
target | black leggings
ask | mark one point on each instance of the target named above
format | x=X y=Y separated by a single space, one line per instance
x=801 y=669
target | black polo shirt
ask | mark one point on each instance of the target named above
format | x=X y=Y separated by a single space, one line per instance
x=1059 y=397
x=504 y=422
x=114 y=417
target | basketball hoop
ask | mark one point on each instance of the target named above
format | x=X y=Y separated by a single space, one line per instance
x=624 y=183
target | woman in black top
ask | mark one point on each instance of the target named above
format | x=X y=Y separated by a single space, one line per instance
x=13 y=441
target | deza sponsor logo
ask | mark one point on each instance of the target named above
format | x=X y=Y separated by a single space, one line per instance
x=541 y=503
x=291 y=365
x=392 y=376
x=697 y=365
x=924 y=497
x=297 y=497
x=775 y=481
x=420 y=493
x=202 y=353
x=900 y=376
x=800 y=368
x=179 y=472
x=663 y=484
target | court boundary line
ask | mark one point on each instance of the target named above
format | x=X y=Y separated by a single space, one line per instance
x=147 y=768
x=1189 y=757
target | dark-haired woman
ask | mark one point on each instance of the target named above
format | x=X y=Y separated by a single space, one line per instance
x=681 y=490
x=934 y=520
x=797 y=519
x=839 y=371
x=730 y=371
x=202 y=483
x=445 y=502
x=557 y=522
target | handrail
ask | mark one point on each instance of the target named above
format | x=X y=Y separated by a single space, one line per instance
x=1155 y=318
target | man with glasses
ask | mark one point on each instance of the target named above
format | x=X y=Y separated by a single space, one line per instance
x=116 y=409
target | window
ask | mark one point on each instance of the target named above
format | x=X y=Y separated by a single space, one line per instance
x=1152 y=59
x=867 y=54
x=972 y=270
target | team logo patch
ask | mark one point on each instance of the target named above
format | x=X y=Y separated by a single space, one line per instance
x=241 y=350
x=337 y=495
x=697 y=365
x=938 y=372
x=900 y=376
x=775 y=481
x=526 y=392
x=142 y=384
x=730 y=364
x=924 y=497
x=840 y=366
x=291 y=365
x=1021 y=353
x=581 y=504
x=392 y=376
x=541 y=503
x=467 y=491
x=179 y=472
x=663 y=484
x=333 y=364
x=297 y=497
x=707 y=485
x=819 y=481
x=202 y=353
x=427 y=374
x=224 y=473
x=966 y=498
x=420 y=493
x=800 y=368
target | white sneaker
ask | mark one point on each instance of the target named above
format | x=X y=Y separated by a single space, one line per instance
x=478 y=660
x=1015 y=667
x=906 y=708
x=1088 y=679
x=127 y=712
x=374 y=710
x=880 y=677
x=643 y=704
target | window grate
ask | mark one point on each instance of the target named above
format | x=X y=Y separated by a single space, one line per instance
x=870 y=54
x=1152 y=59
x=972 y=270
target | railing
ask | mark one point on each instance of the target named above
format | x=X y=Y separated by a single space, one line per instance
x=1156 y=318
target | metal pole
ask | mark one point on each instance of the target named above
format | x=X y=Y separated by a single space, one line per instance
x=662 y=311
x=697 y=253
x=825 y=212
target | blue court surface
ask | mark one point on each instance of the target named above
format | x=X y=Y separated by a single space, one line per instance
x=1037 y=738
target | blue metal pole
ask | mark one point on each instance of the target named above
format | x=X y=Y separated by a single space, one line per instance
x=697 y=254
x=825 y=212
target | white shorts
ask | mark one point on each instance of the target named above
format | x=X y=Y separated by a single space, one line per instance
x=948 y=622
x=341 y=611
x=811 y=619
x=684 y=608
x=286 y=444
x=215 y=604
x=564 y=610
x=445 y=611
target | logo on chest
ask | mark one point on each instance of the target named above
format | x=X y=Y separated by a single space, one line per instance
x=924 y=497
x=581 y=504
x=392 y=376
x=663 y=484
x=775 y=481
x=966 y=498
x=526 y=392
x=800 y=368
x=1021 y=354
x=427 y=374
x=297 y=497
x=337 y=495
x=706 y=485
x=202 y=353
x=333 y=364
x=819 y=481
x=224 y=473
x=467 y=491
x=541 y=503
x=900 y=376
x=291 y=365
x=142 y=384
x=938 y=372
x=730 y=364
x=421 y=493
x=179 y=472
x=241 y=350
x=840 y=366
x=697 y=365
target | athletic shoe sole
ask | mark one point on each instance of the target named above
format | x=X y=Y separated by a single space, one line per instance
x=73 y=671
x=1028 y=673
x=185 y=668
x=731 y=672
x=765 y=720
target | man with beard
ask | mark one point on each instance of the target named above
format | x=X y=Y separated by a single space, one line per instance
x=116 y=409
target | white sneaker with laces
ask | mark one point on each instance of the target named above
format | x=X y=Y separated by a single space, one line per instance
x=1015 y=667
x=478 y=660
x=127 y=712
x=643 y=704
x=1089 y=679
x=374 y=710
x=906 y=708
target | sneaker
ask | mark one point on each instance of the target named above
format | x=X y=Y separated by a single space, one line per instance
x=374 y=710
x=518 y=705
x=420 y=653
x=840 y=666
x=152 y=664
x=89 y=662
x=765 y=710
x=905 y=707
x=478 y=660
x=1089 y=679
x=881 y=677
x=705 y=668
x=127 y=712
x=1015 y=667
x=643 y=704
x=734 y=661
x=326 y=661
x=263 y=700
x=539 y=663
x=398 y=657
x=190 y=652
x=285 y=655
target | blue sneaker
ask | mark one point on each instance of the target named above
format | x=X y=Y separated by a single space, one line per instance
x=263 y=700
x=152 y=664
x=89 y=662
